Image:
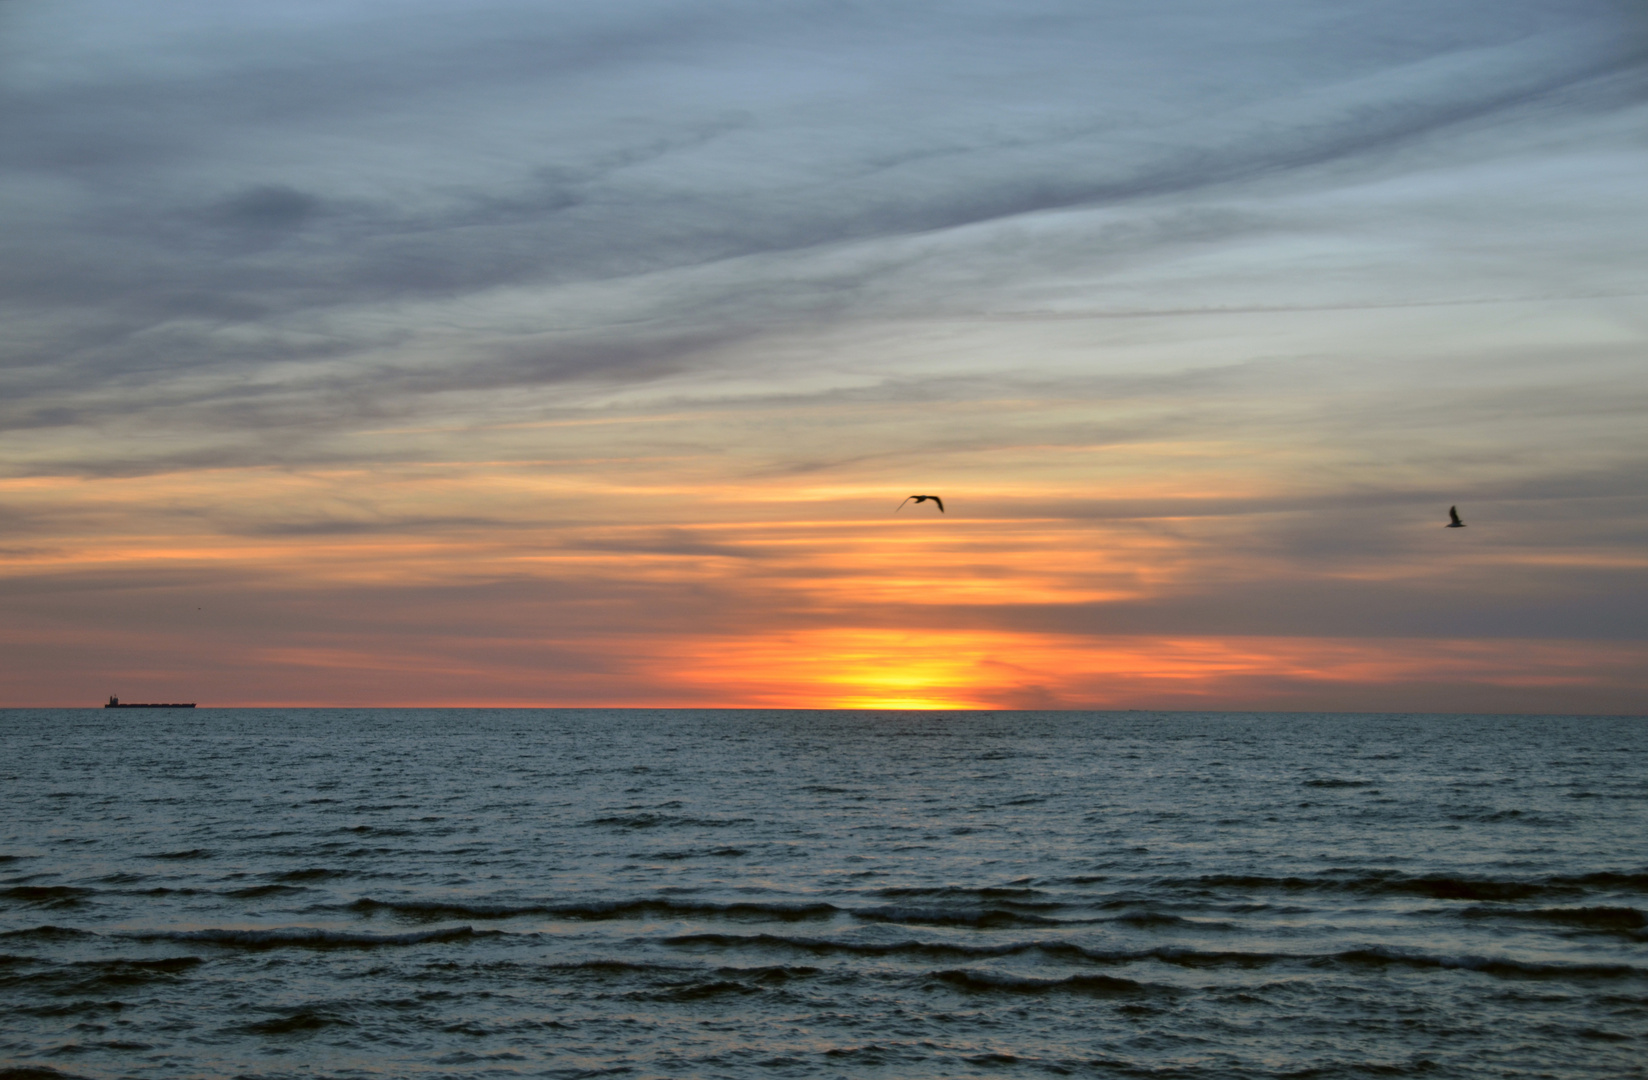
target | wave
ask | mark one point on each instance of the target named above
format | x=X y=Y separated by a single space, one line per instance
x=1451 y=888
x=1061 y=951
x=929 y=950
x=1373 y=956
x=694 y=991
x=98 y=976
x=1499 y=966
x=988 y=892
x=1089 y=985
x=304 y=1020
x=46 y=933
x=1436 y=887
x=1009 y=896
x=1606 y=879
x=46 y=895
x=253 y=892
x=1529 y=818
x=772 y=973
x=616 y=967
x=122 y=879
x=433 y=910
x=978 y=917
x=660 y=821
x=59 y=1009
x=312 y=874
x=191 y=853
x=600 y=912
x=308 y=937
x=675 y=984
x=693 y=853
x=1593 y=918
x=1152 y=920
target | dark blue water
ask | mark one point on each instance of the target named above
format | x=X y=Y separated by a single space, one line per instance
x=405 y=893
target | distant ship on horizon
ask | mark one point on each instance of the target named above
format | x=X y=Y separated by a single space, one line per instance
x=116 y=703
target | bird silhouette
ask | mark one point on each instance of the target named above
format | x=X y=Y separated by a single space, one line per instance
x=922 y=499
x=1453 y=512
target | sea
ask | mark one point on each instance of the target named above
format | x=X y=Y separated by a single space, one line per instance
x=738 y=893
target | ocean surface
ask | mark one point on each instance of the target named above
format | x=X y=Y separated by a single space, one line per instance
x=580 y=893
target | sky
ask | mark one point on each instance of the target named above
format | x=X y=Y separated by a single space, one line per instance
x=567 y=354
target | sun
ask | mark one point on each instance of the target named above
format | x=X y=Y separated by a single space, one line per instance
x=910 y=703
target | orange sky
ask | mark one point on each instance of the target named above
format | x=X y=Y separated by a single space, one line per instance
x=1178 y=573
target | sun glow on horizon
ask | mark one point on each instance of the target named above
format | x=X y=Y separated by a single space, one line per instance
x=884 y=669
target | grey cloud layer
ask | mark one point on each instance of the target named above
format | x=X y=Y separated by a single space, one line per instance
x=225 y=189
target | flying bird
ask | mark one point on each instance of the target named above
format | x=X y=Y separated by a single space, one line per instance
x=922 y=499
x=1453 y=512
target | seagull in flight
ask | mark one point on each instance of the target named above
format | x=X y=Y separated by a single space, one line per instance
x=922 y=499
x=1453 y=512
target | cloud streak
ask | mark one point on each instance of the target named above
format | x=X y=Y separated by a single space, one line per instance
x=219 y=209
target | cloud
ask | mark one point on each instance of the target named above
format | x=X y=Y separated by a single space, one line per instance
x=251 y=191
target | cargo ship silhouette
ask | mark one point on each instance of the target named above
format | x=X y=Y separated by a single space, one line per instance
x=116 y=703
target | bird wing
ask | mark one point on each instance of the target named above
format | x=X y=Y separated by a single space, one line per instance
x=907 y=498
x=940 y=502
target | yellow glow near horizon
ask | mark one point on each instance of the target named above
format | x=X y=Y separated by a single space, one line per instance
x=883 y=669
